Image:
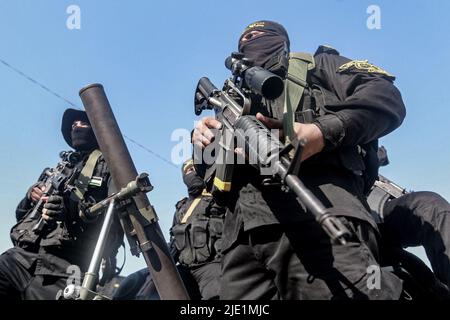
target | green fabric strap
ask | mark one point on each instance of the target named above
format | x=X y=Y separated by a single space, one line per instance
x=82 y=183
x=295 y=84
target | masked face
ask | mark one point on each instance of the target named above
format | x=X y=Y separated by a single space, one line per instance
x=267 y=45
x=193 y=182
x=260 y=47
x=83 y=138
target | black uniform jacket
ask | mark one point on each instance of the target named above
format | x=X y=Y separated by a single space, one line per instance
x=356 y=103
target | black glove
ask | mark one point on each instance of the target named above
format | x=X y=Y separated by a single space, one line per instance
x=53 y=209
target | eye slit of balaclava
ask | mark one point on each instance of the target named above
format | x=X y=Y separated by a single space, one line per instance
x=251 y=35
x=83 y=138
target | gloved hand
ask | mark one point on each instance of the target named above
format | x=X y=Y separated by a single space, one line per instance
x=53 y=209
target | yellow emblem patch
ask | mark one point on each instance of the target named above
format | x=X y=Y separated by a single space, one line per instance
x=188 y=164
x=256 y=25
x=364 y=65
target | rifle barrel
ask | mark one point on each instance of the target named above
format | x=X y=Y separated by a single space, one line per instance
x=330 y=224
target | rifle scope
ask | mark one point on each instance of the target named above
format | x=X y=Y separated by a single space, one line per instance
x=256 y=79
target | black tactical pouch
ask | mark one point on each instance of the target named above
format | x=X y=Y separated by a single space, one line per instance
x=22 y=235
x=308 y=110
x=58 y=236
x=215 y=235
x=180 y=234
x=199 y=239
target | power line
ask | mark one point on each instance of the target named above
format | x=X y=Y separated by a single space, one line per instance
x=150 y=151
x=44 y=87
x=37 y=83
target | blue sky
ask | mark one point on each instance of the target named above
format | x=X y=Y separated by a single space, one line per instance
x=149 y=56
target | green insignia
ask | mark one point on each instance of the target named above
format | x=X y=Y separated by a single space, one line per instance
x=364 y=65
x=96 y=182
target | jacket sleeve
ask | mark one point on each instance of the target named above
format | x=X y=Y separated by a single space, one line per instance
x=368 y=105
x=25 y=205
x=22 y=208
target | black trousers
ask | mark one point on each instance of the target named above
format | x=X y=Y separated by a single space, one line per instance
x=207 y=277
x=18 y=280
x=294 y=258
x=299 y=262
x=421 y=219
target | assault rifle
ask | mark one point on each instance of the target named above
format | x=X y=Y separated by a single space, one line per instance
x=232 y=107
x=56 y=181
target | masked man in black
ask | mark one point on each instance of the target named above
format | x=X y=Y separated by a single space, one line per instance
x=421 y=219
x=45 y=259
x=195 y=244
x=411 y=219
x=272 y=248
x=196 y=234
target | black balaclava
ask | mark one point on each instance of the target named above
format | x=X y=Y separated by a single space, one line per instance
x=192 y=181
x=266 y=48
x=83 y=139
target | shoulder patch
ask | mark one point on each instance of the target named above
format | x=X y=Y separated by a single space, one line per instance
x=364 y=66
x=96 y=181
x=181 y=203
x=326 y=49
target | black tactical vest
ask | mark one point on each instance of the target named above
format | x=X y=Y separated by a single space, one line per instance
x=22 y=234
x=71 y=229
x=197 y=231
